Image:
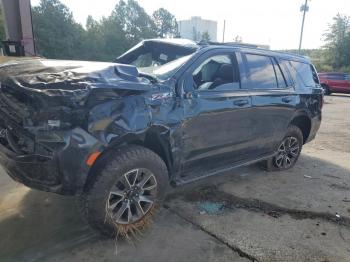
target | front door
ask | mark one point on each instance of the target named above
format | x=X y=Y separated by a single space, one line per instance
x=217 y=123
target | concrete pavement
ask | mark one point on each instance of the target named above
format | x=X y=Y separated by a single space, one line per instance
x=298 y=215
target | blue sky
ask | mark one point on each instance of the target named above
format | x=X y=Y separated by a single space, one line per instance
x=273 y=22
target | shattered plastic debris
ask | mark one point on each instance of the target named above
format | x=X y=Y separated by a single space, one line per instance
x=211 y=208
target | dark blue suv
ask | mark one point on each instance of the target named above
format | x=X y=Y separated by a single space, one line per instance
x=166 y=112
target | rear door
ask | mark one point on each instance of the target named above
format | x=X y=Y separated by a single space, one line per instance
x=273 y=100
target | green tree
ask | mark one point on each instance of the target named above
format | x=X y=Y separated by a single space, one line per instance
x=136 y=23
x=337 y=40
x=165 y=22
x=56 y=33
x=92 y=41
x=205 y=36
x=104 y=40
x=59 y=36
x=114 y=38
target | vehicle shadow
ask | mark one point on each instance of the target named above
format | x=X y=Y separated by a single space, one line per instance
x=46 y=224
x=43 y=223
x=308 y=168
x=48 y=227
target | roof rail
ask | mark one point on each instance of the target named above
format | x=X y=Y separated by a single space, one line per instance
x=235 y=44
x=203 y=43
x=287 y=52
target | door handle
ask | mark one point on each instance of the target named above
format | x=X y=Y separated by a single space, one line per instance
x=241 y=102
x=287 y=99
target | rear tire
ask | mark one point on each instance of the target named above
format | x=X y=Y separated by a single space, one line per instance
x=124 y=193
x=288 y=152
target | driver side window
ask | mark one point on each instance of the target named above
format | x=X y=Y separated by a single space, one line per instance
x=216 y=73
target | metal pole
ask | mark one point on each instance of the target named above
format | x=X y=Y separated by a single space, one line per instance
x=302 y=25
x=27 y=27
x=10 y=11
x=18 y=23
x=223 y=34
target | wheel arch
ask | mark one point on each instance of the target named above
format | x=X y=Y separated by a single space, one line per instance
x=303 y=122
x=152 y=140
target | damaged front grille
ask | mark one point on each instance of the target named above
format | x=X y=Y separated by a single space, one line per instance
x=6 y=110
x=21 y=143
x=13 y=113
x=11 y=107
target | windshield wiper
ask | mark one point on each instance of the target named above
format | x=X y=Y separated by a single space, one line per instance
x=150 y=77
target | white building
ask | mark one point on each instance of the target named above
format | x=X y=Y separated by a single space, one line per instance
x=195 y=27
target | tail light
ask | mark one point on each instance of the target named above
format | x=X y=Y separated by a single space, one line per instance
x=322 y=101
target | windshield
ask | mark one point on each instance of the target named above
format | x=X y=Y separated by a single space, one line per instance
x=165 y=71
x=160 y=59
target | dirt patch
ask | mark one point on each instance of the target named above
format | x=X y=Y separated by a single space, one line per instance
x=231 y=202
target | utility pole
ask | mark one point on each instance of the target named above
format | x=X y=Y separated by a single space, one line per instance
x=223 y=33
x=304 y=8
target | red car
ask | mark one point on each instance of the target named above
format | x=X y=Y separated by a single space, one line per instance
x=335 y=82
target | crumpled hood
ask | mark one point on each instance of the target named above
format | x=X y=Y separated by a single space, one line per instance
x=77 y=78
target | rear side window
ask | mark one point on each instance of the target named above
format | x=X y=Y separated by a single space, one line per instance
x=285 y=70
x=261 y=73
x=303 y=74
x=281 y=82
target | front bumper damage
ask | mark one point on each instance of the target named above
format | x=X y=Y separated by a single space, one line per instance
x=56 y=173
x=44 y=107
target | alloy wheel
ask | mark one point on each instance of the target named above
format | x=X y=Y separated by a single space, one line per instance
x=287 y=153
x=133 y=196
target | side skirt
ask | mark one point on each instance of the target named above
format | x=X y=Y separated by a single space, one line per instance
x=179 y=181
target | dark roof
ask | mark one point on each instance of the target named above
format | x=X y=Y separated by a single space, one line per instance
x=255 y=48
x=238 y=46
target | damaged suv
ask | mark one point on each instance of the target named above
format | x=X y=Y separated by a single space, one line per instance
x=166 y=112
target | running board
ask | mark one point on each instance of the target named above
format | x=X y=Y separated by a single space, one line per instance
x=184 y=181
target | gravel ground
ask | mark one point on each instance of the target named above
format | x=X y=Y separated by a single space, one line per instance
x=244 y=215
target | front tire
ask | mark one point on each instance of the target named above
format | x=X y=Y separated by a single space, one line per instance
x=122 y=197
x=288 y=152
